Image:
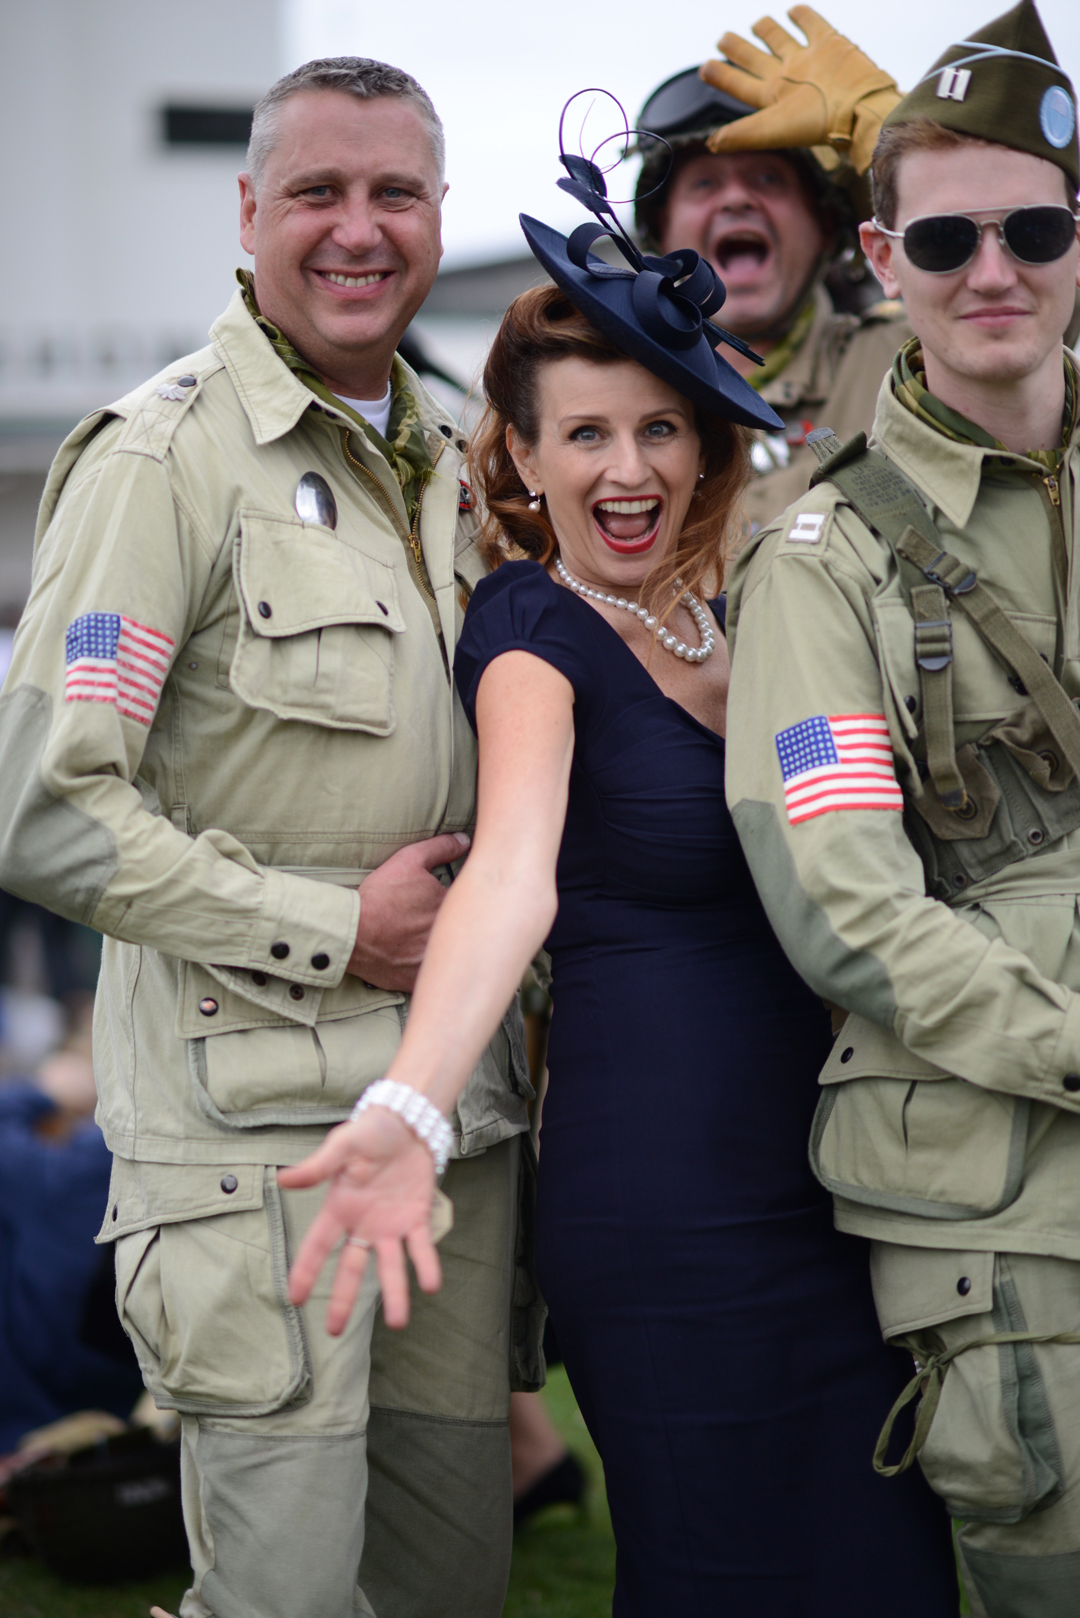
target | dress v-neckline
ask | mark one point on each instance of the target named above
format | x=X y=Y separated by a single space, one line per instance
x=713 y=735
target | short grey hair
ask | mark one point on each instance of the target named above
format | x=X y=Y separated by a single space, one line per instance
x=356 y=75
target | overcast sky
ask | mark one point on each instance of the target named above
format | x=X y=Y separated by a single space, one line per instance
x=499 y=72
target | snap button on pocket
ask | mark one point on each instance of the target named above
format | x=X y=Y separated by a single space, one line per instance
x=208 y=1007
x=1035 y=836
x=259 y=979
x=295 y=992
x=1071 y=1081
x=265 y=610
x=963 y=1286
x=320 y=962
x=845 y=1056
x=279 y=951
x=385 y=610
x=116 y=1211
x=229 y=1183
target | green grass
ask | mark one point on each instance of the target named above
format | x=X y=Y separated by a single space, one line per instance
x=564 y=1561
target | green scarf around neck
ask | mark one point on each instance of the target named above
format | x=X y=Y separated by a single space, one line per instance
x=404 y=448
x=909 y=385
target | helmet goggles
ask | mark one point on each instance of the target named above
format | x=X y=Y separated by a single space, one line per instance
x=943 y=243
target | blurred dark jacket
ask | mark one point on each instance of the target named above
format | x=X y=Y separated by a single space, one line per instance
x=59 y=1349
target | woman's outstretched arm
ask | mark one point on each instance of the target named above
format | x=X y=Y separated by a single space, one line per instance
x=495 y=917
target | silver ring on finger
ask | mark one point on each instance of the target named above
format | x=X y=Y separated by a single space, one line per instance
x=358 y=1241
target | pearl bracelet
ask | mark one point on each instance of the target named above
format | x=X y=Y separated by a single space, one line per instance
x=422 y=1116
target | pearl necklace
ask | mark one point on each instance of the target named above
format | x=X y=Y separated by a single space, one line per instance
x=692 y=654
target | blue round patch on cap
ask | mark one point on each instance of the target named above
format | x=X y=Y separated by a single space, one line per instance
x=1057 y=116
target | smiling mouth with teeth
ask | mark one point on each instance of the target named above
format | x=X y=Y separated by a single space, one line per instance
x=628 y=526
x=351 y=281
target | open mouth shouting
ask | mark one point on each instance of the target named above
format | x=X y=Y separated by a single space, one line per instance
x=740 y=254
x=628 y=526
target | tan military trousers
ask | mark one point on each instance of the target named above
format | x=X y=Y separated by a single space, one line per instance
x=324 y=1477
x=1003 y=1449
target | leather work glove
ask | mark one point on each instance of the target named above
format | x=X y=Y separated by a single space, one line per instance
x=826 y=93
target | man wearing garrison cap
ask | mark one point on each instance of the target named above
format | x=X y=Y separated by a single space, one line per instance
x=905 y=777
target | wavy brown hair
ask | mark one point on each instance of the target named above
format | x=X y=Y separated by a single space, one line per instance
x=543 y=325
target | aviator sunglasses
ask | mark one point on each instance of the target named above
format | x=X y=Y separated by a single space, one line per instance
x=943 y=242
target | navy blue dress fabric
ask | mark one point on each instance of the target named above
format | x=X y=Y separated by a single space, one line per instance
x=719 y=1334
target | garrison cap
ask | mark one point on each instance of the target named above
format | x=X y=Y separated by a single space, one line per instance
x=1003 y=84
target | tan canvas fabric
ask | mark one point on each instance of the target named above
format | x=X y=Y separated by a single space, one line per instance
x=306 y=728
x=832 y=380
x=950 y=1116
x=1003 y=1449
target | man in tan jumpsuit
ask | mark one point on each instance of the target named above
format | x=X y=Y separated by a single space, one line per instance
x=774 y=222
x=904 y=772
x=229 y=740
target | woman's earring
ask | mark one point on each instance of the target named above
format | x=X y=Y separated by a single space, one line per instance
x=534 y=500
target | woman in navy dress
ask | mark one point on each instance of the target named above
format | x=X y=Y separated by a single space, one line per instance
x=719 y=1334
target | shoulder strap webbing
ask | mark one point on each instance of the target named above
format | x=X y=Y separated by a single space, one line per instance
x=1003 y=638
x=890 y=504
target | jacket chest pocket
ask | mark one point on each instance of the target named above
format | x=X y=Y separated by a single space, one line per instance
x=317 y=625
x=982 y=688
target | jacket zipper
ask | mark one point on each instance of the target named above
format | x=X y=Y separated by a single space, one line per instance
x=1057 y=525
x=411 y=536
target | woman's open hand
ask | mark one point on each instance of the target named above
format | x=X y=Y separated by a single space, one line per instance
x=382 y=1187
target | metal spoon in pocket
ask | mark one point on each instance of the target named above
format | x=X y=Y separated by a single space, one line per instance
x=315 y=500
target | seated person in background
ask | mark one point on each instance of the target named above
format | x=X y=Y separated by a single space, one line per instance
x=54 y=1180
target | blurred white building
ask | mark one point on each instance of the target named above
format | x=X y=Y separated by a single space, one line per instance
x=122 y=127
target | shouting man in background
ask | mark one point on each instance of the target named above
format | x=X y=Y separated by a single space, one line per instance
x=777 y=214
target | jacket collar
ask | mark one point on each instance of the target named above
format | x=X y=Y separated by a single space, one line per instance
x=797 y=381
x=271 y=397
x=948 y=473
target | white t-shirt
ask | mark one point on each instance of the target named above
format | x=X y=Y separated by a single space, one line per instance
x=377 y=411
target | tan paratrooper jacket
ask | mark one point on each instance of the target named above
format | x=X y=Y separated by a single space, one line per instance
x=831 y=380
x=950 y=1114
x=306 y=728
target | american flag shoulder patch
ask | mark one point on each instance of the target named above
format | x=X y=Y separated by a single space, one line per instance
x=837 y=761
x=113 y=658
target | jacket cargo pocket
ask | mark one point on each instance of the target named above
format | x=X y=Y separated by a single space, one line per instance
x=204 y=1302
x=298 y=1075
x=981 y=689
x=892 y=1131
x=991 y=1451
x=317 y=624
x=493 y=1104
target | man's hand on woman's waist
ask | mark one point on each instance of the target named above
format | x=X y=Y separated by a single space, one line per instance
x=398 y=906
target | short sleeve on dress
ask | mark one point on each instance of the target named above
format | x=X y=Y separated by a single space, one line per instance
x=518 y=608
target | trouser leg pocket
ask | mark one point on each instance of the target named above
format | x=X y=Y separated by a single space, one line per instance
x=206 y=1306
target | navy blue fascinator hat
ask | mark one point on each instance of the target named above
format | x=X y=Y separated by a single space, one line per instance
x=655 y=310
